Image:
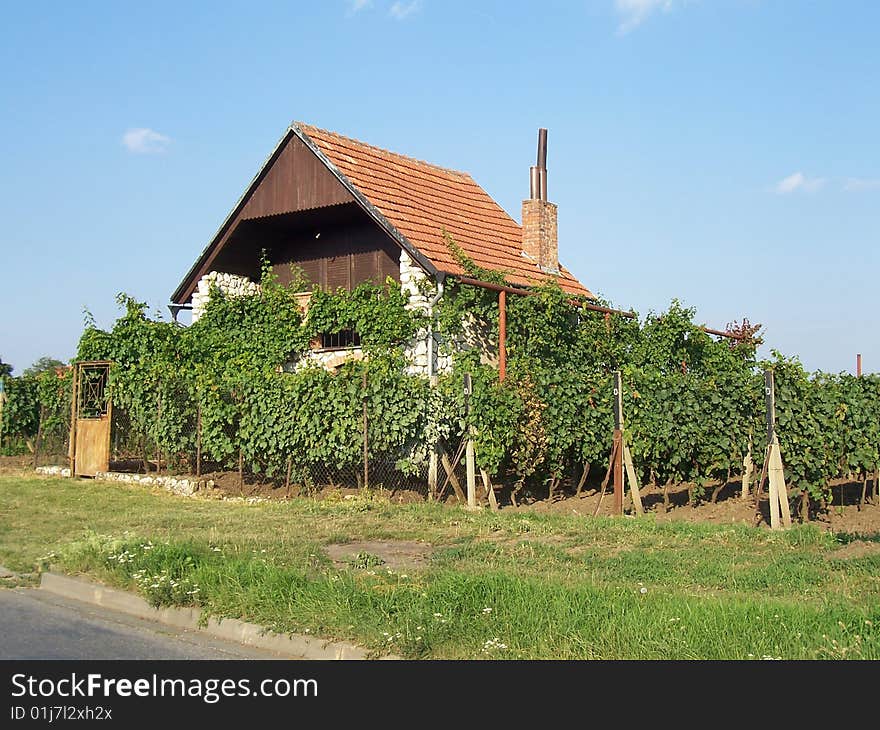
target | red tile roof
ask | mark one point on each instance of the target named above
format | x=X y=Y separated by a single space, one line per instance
x=420 y=200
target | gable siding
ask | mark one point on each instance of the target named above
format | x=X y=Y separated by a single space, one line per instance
x=296 y=181
x=343 y=257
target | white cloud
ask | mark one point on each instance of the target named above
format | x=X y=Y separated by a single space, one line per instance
x=144 y=141
x=860 y=184
x=798 y=181
x=355 y=6
x=400 y=10
x=635 y=12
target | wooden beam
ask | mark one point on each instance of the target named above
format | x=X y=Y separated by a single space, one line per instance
x=748 y=469
x=451 y=478
x=633 y=481
x=490 y=490
x=470 y=462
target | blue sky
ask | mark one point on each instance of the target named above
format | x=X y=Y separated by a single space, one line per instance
x=724 y=152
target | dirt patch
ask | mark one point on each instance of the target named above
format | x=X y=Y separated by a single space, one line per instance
x=16 y=464
x=856 y=549
x=844 y=514
x=682 y=502
x=230 y=485
x=393 y=554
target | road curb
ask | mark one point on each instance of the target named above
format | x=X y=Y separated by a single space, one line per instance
x=293 y=645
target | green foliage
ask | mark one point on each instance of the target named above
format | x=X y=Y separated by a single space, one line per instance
x=692 y=404
x=21 y=411
x=42 y=364
x=828 y=425
x=227 y=370
x=378 y=314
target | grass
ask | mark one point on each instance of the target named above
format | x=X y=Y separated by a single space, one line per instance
x=498 y=585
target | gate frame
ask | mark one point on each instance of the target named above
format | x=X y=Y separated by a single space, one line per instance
x=78 y=368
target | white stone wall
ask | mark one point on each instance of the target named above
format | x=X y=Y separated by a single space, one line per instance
x=419 y=288
x=329 y=359
x=230 y=284
x=414 y=282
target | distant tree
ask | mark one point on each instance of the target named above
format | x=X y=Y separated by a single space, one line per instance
x=43 y=364
x=5 y=368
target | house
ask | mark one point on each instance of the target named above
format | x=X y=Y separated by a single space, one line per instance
x=346 y=212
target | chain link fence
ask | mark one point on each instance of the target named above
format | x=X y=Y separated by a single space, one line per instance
x=52 y=443
x=166 y=434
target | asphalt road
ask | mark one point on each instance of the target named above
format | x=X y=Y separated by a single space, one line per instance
x=39 y=625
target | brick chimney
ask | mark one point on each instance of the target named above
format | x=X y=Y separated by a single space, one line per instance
x=540 y=241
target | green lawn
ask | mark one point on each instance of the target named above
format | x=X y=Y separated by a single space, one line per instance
x=498 y=585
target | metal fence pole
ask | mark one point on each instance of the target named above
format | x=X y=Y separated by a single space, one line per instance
x=366 y=435
x=198 y=436
x=39 y=439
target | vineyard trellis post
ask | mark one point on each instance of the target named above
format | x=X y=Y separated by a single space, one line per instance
x=748 y=468
x=780 y=515
x=469 y=455
x=365 y=435
x=621 y=457
x=617 y=443
x=2 y=402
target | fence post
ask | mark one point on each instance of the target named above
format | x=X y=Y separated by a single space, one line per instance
x=469 y=456
x=71 y=439
x=780 y=515
x=366 y=435
x=2 y=403
x=158 y=426
x=618 y=443
x=198 y=435
x=39 y=439
x=432 y=473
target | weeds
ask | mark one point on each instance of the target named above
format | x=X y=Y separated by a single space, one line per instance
x=499 y=585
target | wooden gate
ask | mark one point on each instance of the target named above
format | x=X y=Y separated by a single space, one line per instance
x=91 y=415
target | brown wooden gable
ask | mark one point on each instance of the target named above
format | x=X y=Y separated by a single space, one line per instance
x=296 y=181
x=409 y=201
x=293 y=180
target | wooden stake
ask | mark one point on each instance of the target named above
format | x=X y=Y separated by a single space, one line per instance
x=774 y=493
x=241 y=472
x=759 y=486
x=583 y=479
x=71 y=446
x=470 y=463
x=432 y=474
x=618 y=444
x=490 y=490
x=748 y=468
x=780 y=514
x=451 y=478
x=633 y=481
x=611 y=462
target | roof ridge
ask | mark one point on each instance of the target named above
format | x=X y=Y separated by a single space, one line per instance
x=305 y=126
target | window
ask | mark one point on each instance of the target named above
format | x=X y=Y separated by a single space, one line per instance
x=340 y=340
